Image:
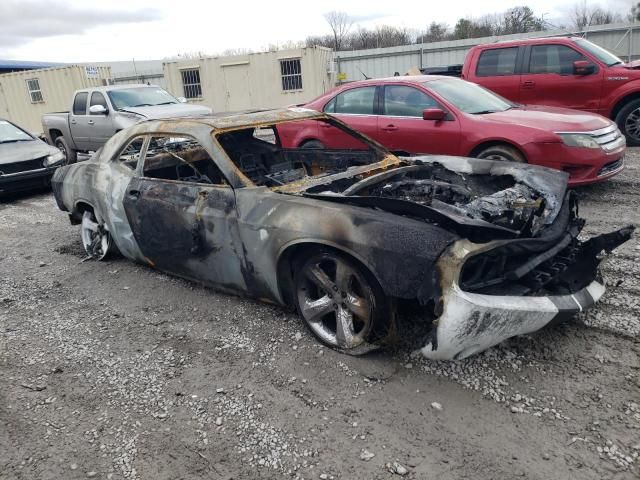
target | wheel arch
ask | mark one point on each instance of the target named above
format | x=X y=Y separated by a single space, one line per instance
x=54 y=133
x=492 y=143
x=79 y=207
x=292 y=251
x=620 y=104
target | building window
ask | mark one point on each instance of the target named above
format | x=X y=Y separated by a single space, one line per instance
x=34 y=90
x=191 y=83
x=291 y=72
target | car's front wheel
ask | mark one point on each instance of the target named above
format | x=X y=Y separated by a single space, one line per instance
x=70 y=155
x=503 y=153
x=340 y=301
x=96 y=240
x=628 y=120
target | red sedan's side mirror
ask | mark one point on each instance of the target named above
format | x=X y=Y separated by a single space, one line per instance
x=433 y=114
x=583 y=67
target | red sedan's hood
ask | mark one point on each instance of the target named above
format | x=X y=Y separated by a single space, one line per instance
x=548 y=118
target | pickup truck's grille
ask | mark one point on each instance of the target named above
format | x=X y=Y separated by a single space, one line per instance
x=16 y=167
x=609 y=138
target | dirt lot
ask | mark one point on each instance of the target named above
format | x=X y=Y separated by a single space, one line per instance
x=113 y=370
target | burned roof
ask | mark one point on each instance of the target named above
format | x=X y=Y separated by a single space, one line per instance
x=235 y=120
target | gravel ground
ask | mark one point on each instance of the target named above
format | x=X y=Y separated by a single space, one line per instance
x=113 y=370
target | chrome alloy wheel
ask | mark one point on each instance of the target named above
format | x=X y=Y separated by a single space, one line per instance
x=96 y=240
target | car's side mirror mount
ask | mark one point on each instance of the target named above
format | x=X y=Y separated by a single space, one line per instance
x=436 y=114
x=583 y=67
x=182 y=100
x=98 y=110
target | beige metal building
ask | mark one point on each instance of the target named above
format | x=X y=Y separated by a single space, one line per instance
x=256 y=80
x=26 y=95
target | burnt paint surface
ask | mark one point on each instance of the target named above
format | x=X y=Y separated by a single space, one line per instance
x=188 y=229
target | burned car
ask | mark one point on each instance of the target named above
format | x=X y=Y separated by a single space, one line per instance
x=483 y=250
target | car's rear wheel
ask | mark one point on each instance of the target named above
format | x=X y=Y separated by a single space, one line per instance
x=317 y=144
x=70 y=155
x=628 y=120
x=96 y=240
x=503 y=153
x=340 y=301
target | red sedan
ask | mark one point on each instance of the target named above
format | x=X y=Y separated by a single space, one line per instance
x=449 y=116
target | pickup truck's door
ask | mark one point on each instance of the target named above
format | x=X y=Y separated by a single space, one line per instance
x=548 y=79
x=79 y=121
x=102 y=126
x=498 y=69
x=402 y=128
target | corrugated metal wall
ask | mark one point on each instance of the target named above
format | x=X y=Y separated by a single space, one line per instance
x=621 y=39
x=255 y=80
x=57 y=86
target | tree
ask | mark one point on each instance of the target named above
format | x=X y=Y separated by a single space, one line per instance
x=520 y=20
x=634 y=14
x=436 y=32
x=583 y=15
x=340 y=23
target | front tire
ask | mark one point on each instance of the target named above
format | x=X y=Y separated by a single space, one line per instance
x=315 y=144
x=96 y=240
x=502 y=153
x=70 y=155
x=341 y=303
x=628 y=120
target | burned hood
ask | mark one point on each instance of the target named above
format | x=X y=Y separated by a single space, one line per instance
x=483 y=199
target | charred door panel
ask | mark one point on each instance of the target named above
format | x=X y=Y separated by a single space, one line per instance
x=188 y=229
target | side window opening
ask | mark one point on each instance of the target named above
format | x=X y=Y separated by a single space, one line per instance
x=553 y=59
x=404 y=101
x=497 y=62
x=130 y=154
x=264 y=160
x=80 y=103
x=98 y=99
x=180 y=158
x=357 y=101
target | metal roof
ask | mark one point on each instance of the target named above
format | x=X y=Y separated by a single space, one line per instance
x=26 y=65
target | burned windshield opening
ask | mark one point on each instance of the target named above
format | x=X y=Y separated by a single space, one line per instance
x=259 y=154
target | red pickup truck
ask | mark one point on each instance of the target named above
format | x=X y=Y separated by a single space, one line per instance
x=564 y=72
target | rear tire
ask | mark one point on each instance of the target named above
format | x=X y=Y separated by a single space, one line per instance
x=70 y=155
x=628 y=120
x=316 y=144
x=96 y=240
x=502 y=153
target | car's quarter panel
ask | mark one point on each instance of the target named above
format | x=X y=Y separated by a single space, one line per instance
x=187 y=228
x=400 y=252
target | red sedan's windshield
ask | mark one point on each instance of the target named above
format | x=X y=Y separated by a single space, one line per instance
x=469 y=97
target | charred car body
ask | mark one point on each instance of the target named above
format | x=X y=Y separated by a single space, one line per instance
x=485 y=250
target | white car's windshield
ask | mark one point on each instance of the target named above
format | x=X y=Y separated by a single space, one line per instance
x=9 y=133
x=140 y=97
x=469 y=97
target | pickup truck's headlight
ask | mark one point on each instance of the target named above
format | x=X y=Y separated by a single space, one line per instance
x=578 y=140
x=53 y=159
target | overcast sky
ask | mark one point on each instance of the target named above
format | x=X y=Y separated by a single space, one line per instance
x=90 y=30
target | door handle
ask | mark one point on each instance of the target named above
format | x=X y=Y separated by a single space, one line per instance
x=390 y=128
x=134 y=194
x=73 y=121
x=528 y=84
x=90 y=122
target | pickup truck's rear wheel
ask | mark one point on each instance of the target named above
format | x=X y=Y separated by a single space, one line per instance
x=504 y=153
x=70 y=155
x=628 y=120
x=340 y=301
x=96 y=240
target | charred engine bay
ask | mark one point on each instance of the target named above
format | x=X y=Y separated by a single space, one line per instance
x=481 y=207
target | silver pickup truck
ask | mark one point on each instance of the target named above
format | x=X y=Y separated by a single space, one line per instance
x=98 y=113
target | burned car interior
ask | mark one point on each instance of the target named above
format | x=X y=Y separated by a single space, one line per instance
x=258 y=154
